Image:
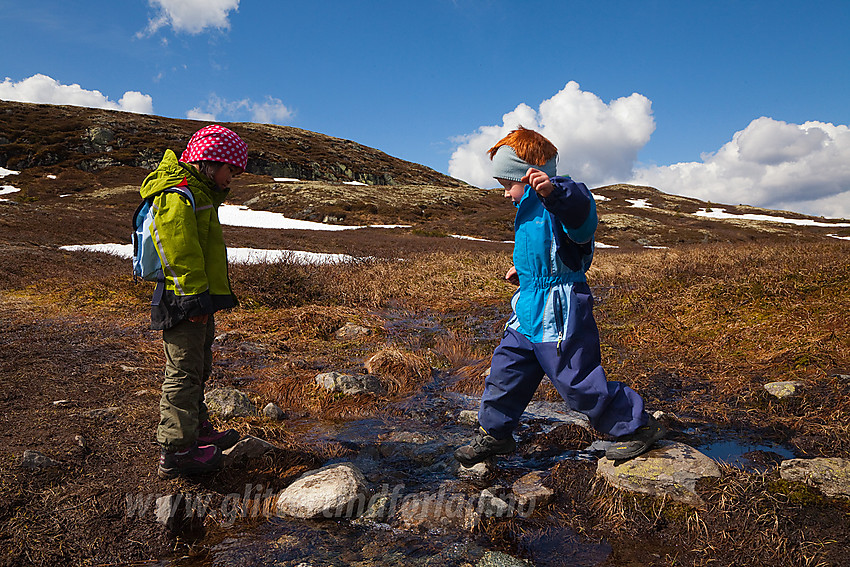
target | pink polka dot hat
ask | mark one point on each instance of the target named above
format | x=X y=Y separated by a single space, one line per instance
x=216 y=143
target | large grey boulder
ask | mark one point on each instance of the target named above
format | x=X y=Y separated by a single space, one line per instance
x=334 y=491
x=349 y=384
x=229 y=402
x=671 y=470
x=830 y=475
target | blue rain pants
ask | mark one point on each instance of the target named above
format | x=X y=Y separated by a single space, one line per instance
x=575 y=369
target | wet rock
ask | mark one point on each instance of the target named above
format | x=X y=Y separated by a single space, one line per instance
x=249 y=447
x=335 y=491
x=34 y=460
x=413 y=446
x=499 y=559
x=349 y=384
x=783 y=390
x=555 y=412
x=477 y=471
x=272 y=411
x=672 y=470
x=378 y=509
x=490 y=505
x=830 y=475
x=468 y=417
x=351 y=331
x=229 y=402
x=438 y=511
x=530 y=491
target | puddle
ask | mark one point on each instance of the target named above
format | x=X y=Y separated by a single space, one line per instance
x=747 y=455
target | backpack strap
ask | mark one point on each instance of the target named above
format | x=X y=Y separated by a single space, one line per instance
x=183 y=190
x=157 y=292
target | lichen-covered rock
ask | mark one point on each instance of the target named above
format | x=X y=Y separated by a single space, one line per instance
x=349 y=384
x=229 y=402
x=671 y=470
x=783 y=390
x=830 y=475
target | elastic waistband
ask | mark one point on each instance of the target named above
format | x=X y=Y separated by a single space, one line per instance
x=552 y=281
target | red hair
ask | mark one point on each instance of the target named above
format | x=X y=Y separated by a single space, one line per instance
x=530 y=146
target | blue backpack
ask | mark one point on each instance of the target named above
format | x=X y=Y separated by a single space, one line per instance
x=146 y=262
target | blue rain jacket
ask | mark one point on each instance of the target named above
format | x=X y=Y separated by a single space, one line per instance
x=553 y=248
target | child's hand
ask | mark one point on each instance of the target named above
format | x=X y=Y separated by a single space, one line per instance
x=539 y=181
x=512 y=276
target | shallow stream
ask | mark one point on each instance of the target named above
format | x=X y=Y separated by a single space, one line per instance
x=409 y=450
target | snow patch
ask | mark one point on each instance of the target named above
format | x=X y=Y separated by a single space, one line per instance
x=234 y=255
x=715 y=213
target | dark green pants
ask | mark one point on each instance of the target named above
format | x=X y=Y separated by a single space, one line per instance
x=188 y=364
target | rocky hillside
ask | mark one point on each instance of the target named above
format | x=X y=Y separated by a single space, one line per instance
x=80 y=168
x=48 y=137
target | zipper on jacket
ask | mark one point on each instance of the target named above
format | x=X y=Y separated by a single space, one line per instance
x=559 y=319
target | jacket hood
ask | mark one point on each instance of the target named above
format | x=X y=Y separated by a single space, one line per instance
x=170 y=173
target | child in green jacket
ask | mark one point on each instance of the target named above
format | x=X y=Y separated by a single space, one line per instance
x=194 y=262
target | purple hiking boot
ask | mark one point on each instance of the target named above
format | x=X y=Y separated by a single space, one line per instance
x=194 y=460
x=207 y=435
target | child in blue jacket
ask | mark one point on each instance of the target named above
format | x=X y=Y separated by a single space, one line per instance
x=552 y=330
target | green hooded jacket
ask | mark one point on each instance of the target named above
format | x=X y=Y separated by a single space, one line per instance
x=191 y=244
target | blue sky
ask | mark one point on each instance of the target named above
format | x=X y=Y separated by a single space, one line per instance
x=733 y=102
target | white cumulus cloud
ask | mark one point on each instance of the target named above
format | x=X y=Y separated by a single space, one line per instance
x=269 y=111
x=597 y=142
x=770 y=163
x=43 y=89
x=191 y=16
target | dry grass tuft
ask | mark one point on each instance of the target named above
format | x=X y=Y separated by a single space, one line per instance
x=399 y=370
